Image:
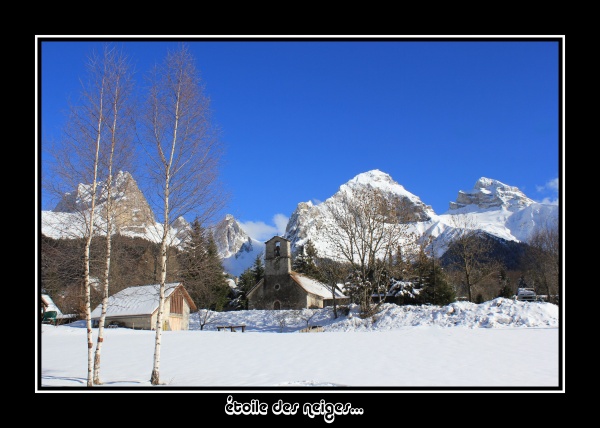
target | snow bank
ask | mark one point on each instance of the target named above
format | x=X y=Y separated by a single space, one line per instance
x=497 y=313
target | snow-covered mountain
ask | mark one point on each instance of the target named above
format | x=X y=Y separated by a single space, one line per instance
x=488 y=193
x=237 y=249
x=501 y=210
x=491 y=206
x=306 y=219
x=133 y=215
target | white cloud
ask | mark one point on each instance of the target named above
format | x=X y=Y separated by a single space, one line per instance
x=315 y=201
x=551 y=185
x=262 y=231
x=550 y=201
x=281 y=222
x=258 y=230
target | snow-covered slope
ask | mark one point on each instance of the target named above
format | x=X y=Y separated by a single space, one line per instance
x=497 y=313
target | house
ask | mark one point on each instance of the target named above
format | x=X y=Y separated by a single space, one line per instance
x=48 y=304
x=282 y=288
x=137 y=307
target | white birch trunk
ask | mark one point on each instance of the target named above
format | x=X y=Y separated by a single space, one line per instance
x=88 y=243
x=155 y=378
x=100 y=340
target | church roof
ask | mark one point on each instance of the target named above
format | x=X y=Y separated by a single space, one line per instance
x=315 y=287
x=278 y=237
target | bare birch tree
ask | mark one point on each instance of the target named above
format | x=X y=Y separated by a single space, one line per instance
x=184 y=151
x=119 y=126
x=364 y=227
x=77 y=166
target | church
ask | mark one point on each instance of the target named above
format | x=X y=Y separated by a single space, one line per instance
x=282 y=288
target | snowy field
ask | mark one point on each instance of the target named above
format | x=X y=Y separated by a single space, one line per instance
x=500 y=343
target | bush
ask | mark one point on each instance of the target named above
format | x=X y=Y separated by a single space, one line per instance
x=344 y=310
x=506 y=291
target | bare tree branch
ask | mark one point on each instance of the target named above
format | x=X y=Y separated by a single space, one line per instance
x=184 y=153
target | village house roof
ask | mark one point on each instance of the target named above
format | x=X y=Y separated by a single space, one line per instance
x=49 y=304
x=315 y=287
x=138 y=300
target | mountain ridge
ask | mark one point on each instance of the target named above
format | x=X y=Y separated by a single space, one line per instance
x=496 y=208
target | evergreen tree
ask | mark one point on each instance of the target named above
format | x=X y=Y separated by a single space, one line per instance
x=202 y=270
x=245 y=284
x=505 y=286
x=258 y=269
x=305 y=261
x=246 y=281
x=437 y=291
x=299 y=259
x=421 y=269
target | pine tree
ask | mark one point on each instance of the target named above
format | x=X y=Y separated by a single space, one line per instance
x=438 y=291
x=245 y=284
x=258 y=269
x=202 y=269
x=299 y=259
x=305 y=261
x=505 y=286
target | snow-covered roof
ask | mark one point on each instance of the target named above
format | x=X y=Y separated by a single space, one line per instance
x=137 y=300
x=315 y=287
x=49 y=303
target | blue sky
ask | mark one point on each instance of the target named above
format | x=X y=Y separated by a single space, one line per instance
x=299 y=118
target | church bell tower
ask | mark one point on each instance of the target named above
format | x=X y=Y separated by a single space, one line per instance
x=278 y=256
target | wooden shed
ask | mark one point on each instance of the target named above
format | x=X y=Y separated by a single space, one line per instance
x=137 y=307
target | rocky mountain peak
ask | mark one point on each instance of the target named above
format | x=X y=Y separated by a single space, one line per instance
x=371 y=177
x=305 y=220
x=132 y=211
x=230 y=237
x=490 y=193
x=384 y=182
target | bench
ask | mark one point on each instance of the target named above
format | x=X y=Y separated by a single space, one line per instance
x=231 y=327
x=50 y=317
x=313 y=329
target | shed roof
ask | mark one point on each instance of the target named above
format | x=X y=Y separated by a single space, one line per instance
x=138 y=300
x=49 y=303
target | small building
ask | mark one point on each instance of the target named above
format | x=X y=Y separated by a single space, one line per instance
x=282 y=288
x=137 y=307
x=48 y=304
